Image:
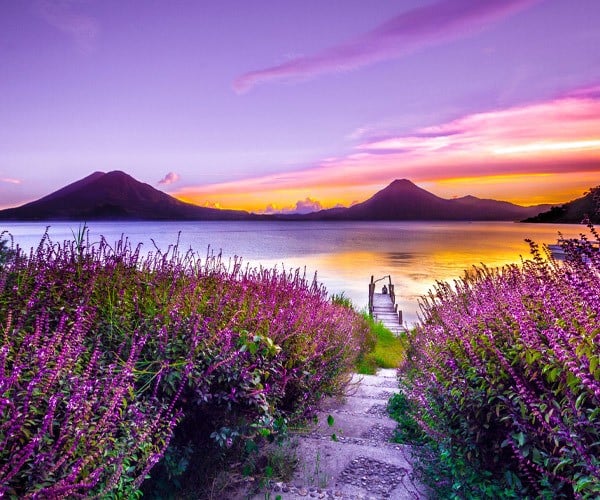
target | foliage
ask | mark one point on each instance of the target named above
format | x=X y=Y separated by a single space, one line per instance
x=6 y=251
x=388 y=350
x=504 y=377
x=103 y=352
x=408 y=430
x=340 y=299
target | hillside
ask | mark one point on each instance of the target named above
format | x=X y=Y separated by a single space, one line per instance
x=403 y=200
x=573 y=212
x=114 y=195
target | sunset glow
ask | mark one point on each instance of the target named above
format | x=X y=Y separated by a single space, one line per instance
x=540 y=153
x=293 y=106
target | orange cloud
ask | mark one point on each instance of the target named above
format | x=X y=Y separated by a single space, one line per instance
x=538 y=149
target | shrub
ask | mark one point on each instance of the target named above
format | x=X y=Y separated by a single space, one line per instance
x=408 y=430
x=105 y=350
x=504 y=376
x=70 y=422
x=6 y=251
x=385 y=351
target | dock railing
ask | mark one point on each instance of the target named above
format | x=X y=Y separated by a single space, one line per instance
x=391 y=292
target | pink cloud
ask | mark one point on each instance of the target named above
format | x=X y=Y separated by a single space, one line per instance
x=566 y=127
x=10 y=180
x=305 y=206
x=308 y=205
x=559 y=136
x=169 y=178
x=83 y=29
x=401 y=35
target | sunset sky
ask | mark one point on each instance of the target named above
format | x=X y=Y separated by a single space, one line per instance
x=294 y=105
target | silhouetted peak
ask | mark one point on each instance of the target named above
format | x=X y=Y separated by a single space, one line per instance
x=115 y=194
x=468 y=197
x=118 y=174
x=402 y=183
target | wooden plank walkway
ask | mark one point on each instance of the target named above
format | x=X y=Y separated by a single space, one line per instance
x=385 y=311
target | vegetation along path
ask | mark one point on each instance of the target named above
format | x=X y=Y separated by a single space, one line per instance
x=348 y=452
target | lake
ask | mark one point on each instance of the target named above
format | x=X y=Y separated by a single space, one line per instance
x=343 y=254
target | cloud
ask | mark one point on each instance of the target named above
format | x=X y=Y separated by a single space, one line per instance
x=305 y=206
x=170 y=178
x=403 y=34
x=308 y=205
x=10 y=180
x=81 y=28
x=271 y=209
x=556 y=137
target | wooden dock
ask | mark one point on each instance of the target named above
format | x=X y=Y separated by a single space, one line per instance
x=383 y=306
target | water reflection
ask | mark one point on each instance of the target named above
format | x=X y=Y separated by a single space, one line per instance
x=343 y=254
x=395 y=258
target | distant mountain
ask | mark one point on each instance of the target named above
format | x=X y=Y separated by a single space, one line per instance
x=115 y=195
x=574 y=211
x=403 y=200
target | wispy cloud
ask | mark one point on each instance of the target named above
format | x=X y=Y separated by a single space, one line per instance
x=10 y=180
x=83 y=29
x=554 y=137
x=169 y=178
x=401 y=35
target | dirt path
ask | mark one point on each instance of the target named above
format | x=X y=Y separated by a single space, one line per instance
x=361 y=462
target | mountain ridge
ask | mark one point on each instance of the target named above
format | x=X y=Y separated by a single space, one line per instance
x=574 y=211
x=116 y=195
x=404 y=200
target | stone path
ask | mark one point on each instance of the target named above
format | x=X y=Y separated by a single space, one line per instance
x=361 y=463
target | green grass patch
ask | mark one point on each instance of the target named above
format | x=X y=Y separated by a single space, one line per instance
x=408 y=430
x=389 y=350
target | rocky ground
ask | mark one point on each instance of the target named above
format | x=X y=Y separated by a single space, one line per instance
x=348 y=453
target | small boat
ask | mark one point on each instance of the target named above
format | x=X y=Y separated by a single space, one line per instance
x=557 y=250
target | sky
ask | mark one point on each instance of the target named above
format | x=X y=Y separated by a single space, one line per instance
x=274 y=106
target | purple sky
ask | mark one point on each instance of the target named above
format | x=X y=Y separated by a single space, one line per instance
x=194 y=95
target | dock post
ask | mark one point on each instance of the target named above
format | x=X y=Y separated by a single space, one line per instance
x=400 y=317
x=371 y=294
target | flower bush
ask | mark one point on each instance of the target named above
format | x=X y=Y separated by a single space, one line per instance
x=104 y=352
x=504 y=377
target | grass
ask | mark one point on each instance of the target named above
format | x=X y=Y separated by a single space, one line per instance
x=389 y=350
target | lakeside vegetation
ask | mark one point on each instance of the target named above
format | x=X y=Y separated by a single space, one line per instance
x=123 y=375
x=501 y=385
x=388 y=352
x=115 y=367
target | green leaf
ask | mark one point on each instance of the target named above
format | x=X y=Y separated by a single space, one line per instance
x=582 y=483
x=520 y=438
x=330 y=420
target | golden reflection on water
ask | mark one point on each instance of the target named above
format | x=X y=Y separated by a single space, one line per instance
x=344 y=254
x=416 y=261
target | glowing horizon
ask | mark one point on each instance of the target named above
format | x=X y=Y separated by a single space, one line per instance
x=293 y=106
x=540 y=153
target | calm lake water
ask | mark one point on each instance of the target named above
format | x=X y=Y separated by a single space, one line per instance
x=343 y=254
